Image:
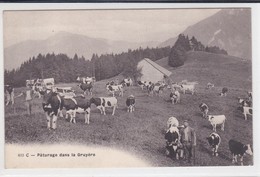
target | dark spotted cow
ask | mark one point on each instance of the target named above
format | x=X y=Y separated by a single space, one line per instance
x=52 y=105
x=175 y=97
x=130 y=103
x=224 y=91
x=173 y=145
x=104 y=102
x=204 y=109
x=78 y=104
x=214 y=141
x=128 y=82
x=150 y=88
x=246 y=111
x=86 y=87
x=238 y=149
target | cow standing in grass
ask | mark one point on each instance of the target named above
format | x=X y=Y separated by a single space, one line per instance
x=115 y=88
x=74 y=105
x=104 y=102
x=52 y=106
x=173 y=145
x=246 y=111
x=175 y=97
x=130 y=103
x=224 y=91
x=214 y=141
x=217 y=120
x=238 y=149
x=86 y=87
x=204 y=109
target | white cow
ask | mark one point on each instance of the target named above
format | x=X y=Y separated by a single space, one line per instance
x=104 y=102
x=217 y=120
x=246 y=111
x=190 y=87
x=172 y=122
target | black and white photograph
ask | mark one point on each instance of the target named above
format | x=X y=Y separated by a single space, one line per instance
x=128 y=88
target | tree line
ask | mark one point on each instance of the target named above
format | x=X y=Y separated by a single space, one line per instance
x=65 y=69
x=178 y=56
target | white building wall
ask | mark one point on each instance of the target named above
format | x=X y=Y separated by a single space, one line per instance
x=149 y=72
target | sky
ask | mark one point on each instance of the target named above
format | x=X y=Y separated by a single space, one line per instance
x=125 y=25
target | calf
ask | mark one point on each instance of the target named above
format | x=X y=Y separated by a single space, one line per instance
x=204 y=109
x=130 y=103
x=172 y=122
x=173 y=145
x=185 y=88
x=104 y=102
x=115 y=88
x=217 y=120
x=52 y=106
x=246 y=111
x=175 y=97
x=238 y=149
x=86 y=87
x=224 y=91
x=75 y=105
x=214 y=141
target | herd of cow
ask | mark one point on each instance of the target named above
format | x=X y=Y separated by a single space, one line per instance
x=54 y=102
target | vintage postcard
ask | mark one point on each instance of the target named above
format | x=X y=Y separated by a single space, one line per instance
x=128 y=88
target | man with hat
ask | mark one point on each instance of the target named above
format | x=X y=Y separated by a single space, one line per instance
x=188 y=140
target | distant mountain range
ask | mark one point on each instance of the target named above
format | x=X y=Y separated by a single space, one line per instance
x=229 y=29
x=67 y=43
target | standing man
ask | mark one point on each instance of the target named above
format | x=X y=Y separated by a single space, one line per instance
x=188 y=139
x=28 y=96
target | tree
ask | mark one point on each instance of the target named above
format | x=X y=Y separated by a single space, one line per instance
x=177 y=57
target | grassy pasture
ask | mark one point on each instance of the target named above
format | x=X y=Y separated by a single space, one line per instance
x=142 y=132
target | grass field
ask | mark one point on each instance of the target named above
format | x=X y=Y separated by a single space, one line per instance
x=142 y=132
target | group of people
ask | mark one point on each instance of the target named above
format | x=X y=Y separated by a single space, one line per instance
x=185 y=141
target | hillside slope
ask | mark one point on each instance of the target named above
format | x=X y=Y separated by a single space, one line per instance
x=222 y=70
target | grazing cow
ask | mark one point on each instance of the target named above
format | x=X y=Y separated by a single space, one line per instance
x=128 y=82
x=86 y=79
x=52 y=105
x=210 y=85
x=130 y=103
x=244 y=102
x=246 y=111
x=173 y=145
x=78 y=104
x=214 y=141
x=204 y=109
x=86 y=87
x=159 y=87
x=175 y=97
x=238 y=149
x=9 y=91
x=115 y=88
x=224 y=91
x=144 y=84
x=217 y=120
x=104 y=102
x=185 y=88
x=172 y=122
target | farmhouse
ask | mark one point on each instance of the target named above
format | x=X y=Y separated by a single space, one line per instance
x=151 y=71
